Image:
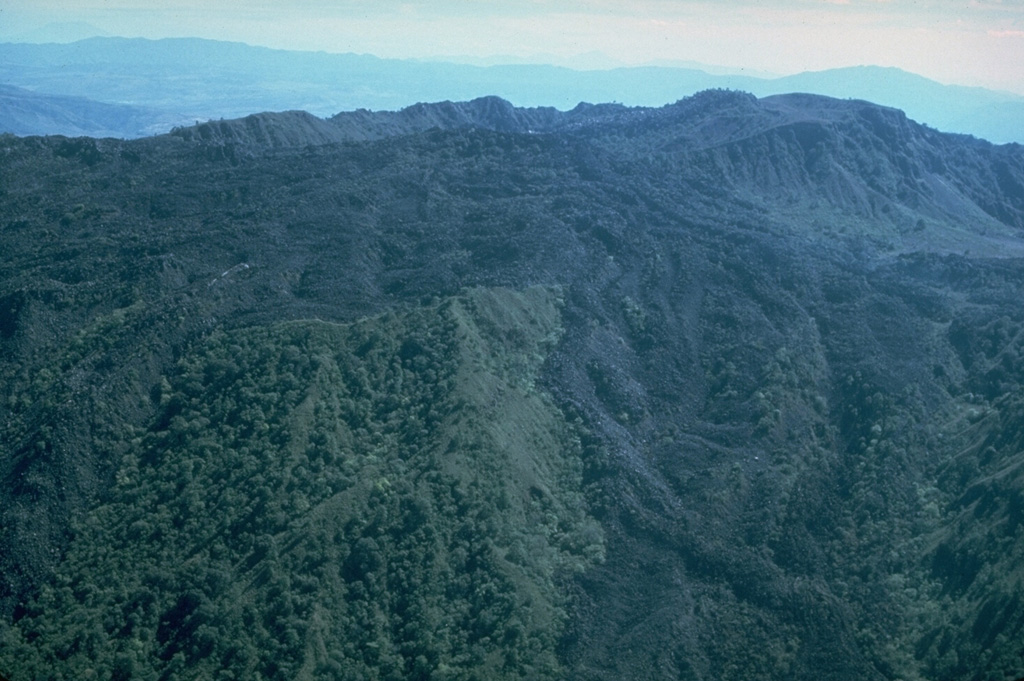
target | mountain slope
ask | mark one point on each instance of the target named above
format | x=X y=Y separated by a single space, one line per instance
x=727 y=389
x=983 y=113
x=800 y=143
x=355 y=545
x=28 y=113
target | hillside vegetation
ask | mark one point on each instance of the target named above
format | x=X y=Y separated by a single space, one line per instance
x=729 y=389
x=350 y=501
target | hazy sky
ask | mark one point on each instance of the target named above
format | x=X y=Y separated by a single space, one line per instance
x=970 y=42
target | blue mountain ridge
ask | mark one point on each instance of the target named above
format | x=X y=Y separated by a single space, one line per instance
x=192 y=79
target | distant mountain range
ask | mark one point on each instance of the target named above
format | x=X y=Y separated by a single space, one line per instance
x=190 y=79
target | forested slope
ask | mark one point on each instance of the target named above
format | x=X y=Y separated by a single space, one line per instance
x=727 y=389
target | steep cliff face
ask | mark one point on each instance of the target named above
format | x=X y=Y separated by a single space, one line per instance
x=726 y=389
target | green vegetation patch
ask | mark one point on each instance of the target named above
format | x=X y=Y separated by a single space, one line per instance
x=388 y=499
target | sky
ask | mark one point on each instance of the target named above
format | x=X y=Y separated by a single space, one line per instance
x=966 y=42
